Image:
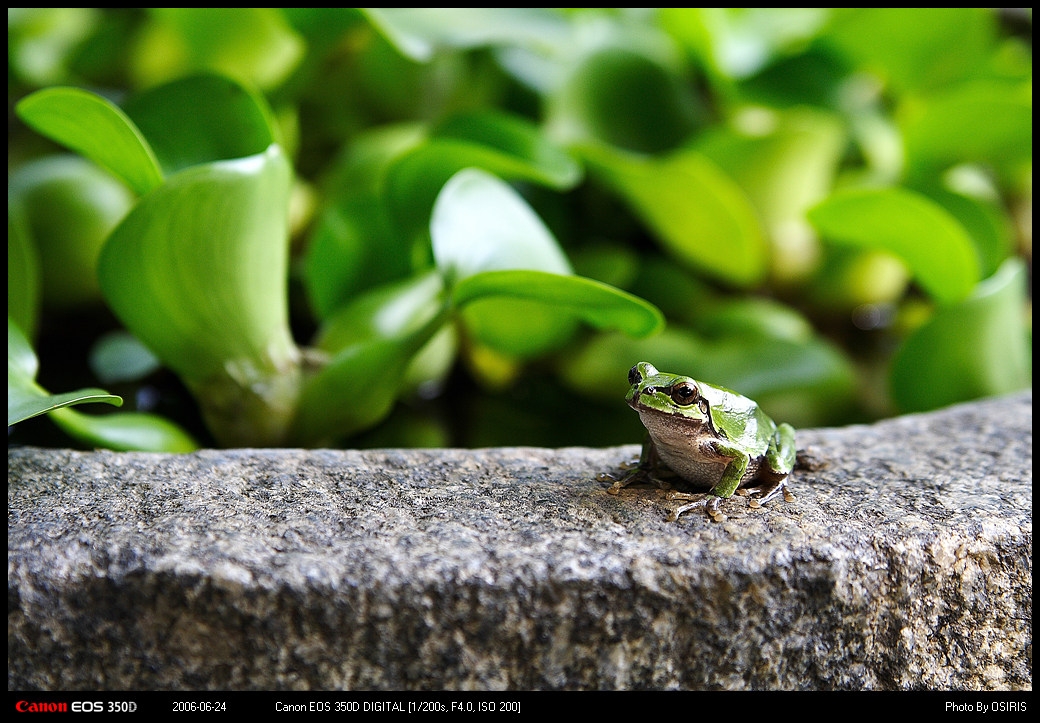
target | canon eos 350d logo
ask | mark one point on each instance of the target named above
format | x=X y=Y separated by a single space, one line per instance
x=75 y=706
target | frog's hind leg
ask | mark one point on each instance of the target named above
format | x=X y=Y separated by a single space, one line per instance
x=769 y=491
x=633 y=475
x=775 y=476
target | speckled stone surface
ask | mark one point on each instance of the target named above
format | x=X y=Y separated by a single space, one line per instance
x=904 y=562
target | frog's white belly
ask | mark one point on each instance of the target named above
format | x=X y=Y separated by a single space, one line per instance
x=687 y=450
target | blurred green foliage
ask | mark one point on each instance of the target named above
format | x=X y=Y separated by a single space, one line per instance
x=462 y=226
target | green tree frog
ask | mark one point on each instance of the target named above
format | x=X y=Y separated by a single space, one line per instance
x=708 y=437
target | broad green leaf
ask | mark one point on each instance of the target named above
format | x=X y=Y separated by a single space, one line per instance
x=351 y=249
x=914 y=48
x=95 y=128
x=70 y=206
x=814 y=77
x=392 y=311
x=21 y=359
x=985 y=219
x=419 y=32
x=533 y=155
x=377 y=344
x=201 y=119
x=198 y=270
x=256 y=44
x=987 y=123
x=23 y=274
x=480 y=223
x=697 y=212
x=595 y=303
x=123 y=431
x=25 y=401
x=852 y=277
x=784 y=160
x=935 y=247
x=976 y=348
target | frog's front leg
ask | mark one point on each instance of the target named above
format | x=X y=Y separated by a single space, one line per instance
x=646 y=469
x=723 y=489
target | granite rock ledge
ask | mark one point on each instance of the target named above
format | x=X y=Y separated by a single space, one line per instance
x=904 y=562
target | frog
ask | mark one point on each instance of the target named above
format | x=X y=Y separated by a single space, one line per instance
x=708 y=437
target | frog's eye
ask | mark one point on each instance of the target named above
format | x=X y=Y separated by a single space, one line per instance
x=684 y=394
x=634 y=377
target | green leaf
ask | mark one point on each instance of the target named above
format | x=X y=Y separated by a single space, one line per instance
x=124 y=431
x=392 y=311
x=95 y=128
x=21 y=359
x=935 y=247
x=697 y=212
x=198 y=270
x=986 y=123
x=525 y=149
x=481 y=224
x=786 y=166
x=595 y=303
x=201 y=119
x=985 y=219
x=70 y=206
x=976 y=348
x=372 y=342
x=27 y=401
x=914 y=48
x=23 y=275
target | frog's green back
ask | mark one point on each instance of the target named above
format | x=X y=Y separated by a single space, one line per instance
x=736 y=416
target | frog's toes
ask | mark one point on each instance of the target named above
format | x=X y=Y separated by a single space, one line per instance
x=767 y=492
x=711 y=505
